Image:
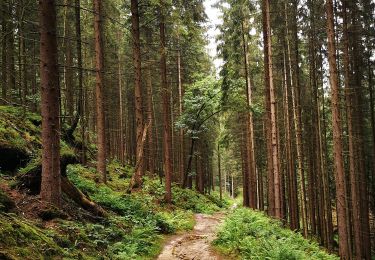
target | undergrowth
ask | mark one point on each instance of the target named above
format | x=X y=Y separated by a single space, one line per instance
x=252 y=235
x=133 y=229
x=135 y=222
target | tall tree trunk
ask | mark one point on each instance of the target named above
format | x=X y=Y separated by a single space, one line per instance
x=80 y=102
x=294 y=82
x=99 y=91
x=165 y=95
x=350 y=103
x=180 y=110
x=68 y=70
x=219 y=171
x=344 y=247
x=137 y=178
x=4 y=83
x=11 y=71
x=150 y=111
x=253 y=198
x=51 y=180
x=292 y=181
x=362 y=189
x=274 y=135
x=245 y=162
x=121 y=145
x=267 y=116
x=200 y=173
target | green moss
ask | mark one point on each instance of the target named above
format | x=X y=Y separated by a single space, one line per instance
x=19 y=129
x=20 y=238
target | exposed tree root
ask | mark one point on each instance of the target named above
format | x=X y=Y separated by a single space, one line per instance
x=31 y=180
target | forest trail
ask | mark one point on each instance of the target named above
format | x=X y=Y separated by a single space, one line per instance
x=195 y=244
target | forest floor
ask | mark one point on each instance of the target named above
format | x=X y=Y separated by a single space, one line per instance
x=195 y=244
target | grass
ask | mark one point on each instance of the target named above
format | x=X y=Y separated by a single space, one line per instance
x=249 y=234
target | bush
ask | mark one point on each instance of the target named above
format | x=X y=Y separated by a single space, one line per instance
x=253 y=235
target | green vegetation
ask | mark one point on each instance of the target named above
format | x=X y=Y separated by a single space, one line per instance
x=252 y=235
x=133 y=229
x=22 y=239
x=19 y=129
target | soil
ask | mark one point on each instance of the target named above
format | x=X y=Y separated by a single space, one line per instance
x=197 y=243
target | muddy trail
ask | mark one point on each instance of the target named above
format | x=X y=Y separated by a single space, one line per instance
x=196 y=243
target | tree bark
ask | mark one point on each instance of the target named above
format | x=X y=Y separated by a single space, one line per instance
x=165 y=95
x=292 y=182
x=253 y=198
x=137 y=178
x=4 y=83
x=150 y=112
x=337 y=137
x=99 y=91
x=294 y=83
x=180 y=110
x=49 y=73
x=68 y=70
x=219 y=171
x=350 y=103
x=80 y=102
x=274 y=135
x=267 y=117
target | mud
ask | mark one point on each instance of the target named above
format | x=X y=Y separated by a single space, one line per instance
x=197 y=243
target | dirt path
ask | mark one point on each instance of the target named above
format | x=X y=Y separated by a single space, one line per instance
x=195 y=244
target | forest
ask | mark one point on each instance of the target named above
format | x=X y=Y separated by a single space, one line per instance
x=124 y=135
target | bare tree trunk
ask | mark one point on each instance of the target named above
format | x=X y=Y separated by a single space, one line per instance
x=245 y=161
x=274 y=135
x=137 y=178
x=80 y=102
x=292 y=182
x=68 y=71
x=267 y=119
x=337 y=137
x=297 y=126
x=219 y=171
x=99 y=91
x=121 y=145
x=362 y=188
x=150 y=111
x=180 y=103
x=349 y=98
x=4 y=83
x=253 y=198
x=165 y=92
x=51 y=180
x=11 y=71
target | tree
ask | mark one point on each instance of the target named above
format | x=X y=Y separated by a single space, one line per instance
x=99 y=91
x=165 y=92
x=272 y=101
x=137 y=178
x=50 y=190
x=337 y=136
